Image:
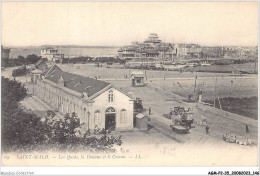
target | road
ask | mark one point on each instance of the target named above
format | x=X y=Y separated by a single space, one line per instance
x=161 y=100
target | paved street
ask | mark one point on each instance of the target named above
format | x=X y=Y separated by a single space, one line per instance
x=220 y=122
x=161 y=100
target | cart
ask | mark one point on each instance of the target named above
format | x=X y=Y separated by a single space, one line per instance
x=179 y=129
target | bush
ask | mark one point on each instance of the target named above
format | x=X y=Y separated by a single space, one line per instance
x=22 y=130
x=19 y=128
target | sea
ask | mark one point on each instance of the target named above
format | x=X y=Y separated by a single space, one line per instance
x=70 y=52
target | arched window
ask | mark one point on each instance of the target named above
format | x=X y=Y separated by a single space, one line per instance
x=97 y=117
x=110 y=96
x=123 y=115
x=110 y=110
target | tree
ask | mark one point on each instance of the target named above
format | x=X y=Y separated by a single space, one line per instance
x=32 y=59
x=21 y=59
x=12 y=92
x=24 y=131
x=17 y=124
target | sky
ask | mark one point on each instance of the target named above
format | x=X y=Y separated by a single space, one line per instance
x=120 y=23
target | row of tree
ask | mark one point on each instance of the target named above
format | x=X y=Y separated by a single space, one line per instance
x=33 y=59
x=20 y=60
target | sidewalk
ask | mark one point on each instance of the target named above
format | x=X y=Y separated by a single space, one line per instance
x=58 y=114
x=39 y=107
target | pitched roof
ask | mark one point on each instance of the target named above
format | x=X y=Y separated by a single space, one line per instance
x=39 y=63
x=50 y=70
x=163 y=46
x=75 y=82
x=140 y=116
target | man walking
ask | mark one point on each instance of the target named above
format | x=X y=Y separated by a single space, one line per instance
x=247 y=129
x=207 y=129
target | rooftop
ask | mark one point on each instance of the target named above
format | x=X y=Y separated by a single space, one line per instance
x=48 y=48
x=39 y=63
x=75 y=82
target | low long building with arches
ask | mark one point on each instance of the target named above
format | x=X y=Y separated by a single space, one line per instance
x=96 y=102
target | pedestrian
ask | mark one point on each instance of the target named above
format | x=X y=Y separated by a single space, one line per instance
x=247 y=129
x=189 y=121
x=203 y=119
x=150 y=111
x=207 y=129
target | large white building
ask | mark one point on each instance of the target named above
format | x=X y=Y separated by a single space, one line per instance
x=52 y=55
x=151 y=49
x=96 y=102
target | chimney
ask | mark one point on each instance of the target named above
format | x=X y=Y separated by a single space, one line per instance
x=85 y=95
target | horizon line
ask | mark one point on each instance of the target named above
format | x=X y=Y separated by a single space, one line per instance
x=115 y=46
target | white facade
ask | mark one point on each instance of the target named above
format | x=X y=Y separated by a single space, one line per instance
x=123 y=105
x=52 y=54
x=91 y=110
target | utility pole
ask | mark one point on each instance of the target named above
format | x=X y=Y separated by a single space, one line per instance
x=142 y=62
x=68 y=56
x=145 y=69
x=219 y=102
x=60 y=56
x=195 y=85
x=163 y=51
x=215 y=93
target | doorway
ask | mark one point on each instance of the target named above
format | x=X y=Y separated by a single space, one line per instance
x=110 y=122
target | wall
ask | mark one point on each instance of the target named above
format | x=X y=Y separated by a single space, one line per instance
x=65 y=102
x=121 y=101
